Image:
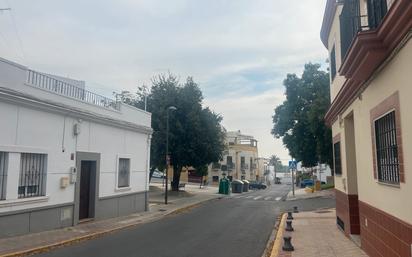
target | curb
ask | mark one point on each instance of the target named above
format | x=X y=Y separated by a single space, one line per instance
x=269 y=245
x=278 y=240
x=47 y=247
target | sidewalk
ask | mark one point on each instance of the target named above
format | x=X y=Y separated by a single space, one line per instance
x=316 y=235
x=43 y=241
x=301 y=193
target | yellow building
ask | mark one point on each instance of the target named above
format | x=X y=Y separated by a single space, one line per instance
x=370 y=47
x=240 y=160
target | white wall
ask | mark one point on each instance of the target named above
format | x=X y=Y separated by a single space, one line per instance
x=36 y=130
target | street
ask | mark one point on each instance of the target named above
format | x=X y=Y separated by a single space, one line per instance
x=239 y=225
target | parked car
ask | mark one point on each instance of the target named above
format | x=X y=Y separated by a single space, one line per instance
x=306 y=183
x=158 y=174
x=257 y=185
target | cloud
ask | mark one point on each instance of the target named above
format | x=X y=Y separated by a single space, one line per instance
x=238 y=50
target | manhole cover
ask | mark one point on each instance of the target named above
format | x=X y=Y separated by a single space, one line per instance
x=322 y=211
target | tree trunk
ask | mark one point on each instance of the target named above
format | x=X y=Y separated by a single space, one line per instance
x=176 y=178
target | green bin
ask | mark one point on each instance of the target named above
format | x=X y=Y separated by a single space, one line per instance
x=224 y=186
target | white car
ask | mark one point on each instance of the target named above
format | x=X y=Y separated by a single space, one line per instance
x=158 y=174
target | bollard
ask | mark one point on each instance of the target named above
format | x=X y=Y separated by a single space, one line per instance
x=287 y=244
x=295 y=209
x=289 y=226
x=290 y=217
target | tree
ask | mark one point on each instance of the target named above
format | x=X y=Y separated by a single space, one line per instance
x=299 y=120
x=196 y=137
x=275 y=161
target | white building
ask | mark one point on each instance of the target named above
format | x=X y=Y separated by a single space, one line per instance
x=66 y=154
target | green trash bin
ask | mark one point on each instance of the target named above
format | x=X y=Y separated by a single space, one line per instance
x=224 y=186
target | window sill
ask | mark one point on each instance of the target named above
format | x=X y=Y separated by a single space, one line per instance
x=23 y=201
x=122 y=189
x=388 y=184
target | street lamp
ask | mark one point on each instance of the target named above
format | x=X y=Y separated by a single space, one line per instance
x=170 y=108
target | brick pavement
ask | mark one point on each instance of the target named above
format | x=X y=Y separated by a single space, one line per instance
x=316 y=235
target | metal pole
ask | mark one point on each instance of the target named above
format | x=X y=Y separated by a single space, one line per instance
x=293 y=179
x=167 y=155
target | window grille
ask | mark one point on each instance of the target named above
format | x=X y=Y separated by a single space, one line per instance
x=337 y=158
x=387 y=149
x=124 y=172
x=32 y=179
x=3 y=174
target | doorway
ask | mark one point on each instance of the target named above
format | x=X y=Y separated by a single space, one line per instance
x=87 y=189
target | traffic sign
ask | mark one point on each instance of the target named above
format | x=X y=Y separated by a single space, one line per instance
x=292 y=165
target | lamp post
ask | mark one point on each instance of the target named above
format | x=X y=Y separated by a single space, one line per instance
x=170 y=108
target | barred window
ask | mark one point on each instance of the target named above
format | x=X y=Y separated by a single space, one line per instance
x=3 y=174
x=337 y=158
x=124 y=173
x=387 y=149
x=33 y=173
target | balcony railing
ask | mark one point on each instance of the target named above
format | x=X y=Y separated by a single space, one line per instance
x=63 y=88
x=216 y=166
x=230 y=166
x=352 y=22
x=244 y=166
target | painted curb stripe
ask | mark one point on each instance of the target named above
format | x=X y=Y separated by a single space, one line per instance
x=278 y=241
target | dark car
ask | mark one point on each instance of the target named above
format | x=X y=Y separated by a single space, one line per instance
x=257 y=185
x=306 y=183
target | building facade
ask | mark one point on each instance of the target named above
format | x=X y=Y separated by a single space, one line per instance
x=240 y=160
x=67 y=154
x=370 y=47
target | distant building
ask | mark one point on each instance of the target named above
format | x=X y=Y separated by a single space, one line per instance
x=370 y=49
x=67 y=154
x=240 y=160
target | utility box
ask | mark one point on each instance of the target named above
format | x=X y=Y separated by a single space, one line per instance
x=317 y=185
x=237 y=186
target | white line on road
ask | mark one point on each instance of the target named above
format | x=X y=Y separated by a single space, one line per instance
x=267 y=198
x=257 y=197
x=250 y=196
x=278 y=198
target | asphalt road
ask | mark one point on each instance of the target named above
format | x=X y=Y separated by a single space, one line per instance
x=235 y=226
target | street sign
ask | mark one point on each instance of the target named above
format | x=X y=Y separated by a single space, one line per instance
x=292 y=165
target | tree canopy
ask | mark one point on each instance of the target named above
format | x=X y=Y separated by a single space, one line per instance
x=299 y=120
x=196 y=137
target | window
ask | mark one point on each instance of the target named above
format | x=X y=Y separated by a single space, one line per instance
x=3 y=174
x=33 y=173
x=337 y=158
x=124 y=173
x=387 y=149
x=333 y=63
x=215 y=178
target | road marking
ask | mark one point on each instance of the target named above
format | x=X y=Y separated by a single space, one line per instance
x=267 y=198
x=278 y=198
x=258 y=197
x=250 y=196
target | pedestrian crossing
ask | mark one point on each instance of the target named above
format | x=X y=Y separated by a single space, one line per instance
x=258 y=198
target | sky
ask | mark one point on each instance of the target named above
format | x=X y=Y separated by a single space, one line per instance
x=238 y=51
